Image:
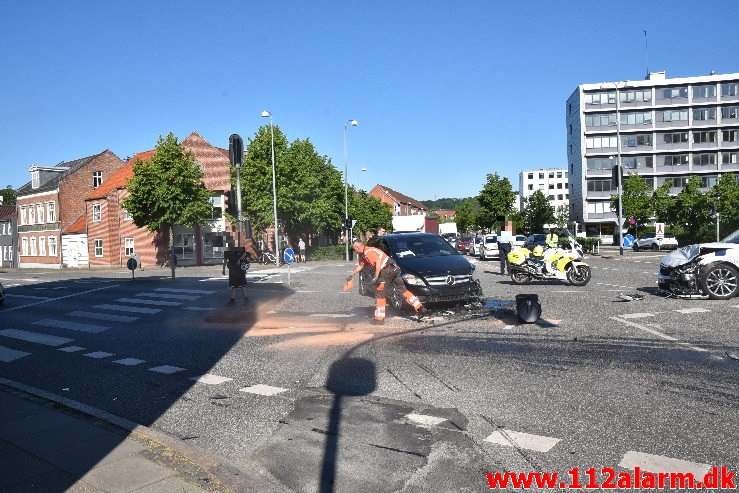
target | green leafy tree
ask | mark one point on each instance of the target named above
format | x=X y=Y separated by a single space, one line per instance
x=692 y=212
x=8 y=195
x=537 y=212
x=168 y=190
x=496 y=201
x=725 y=194
x=636 y=200
x=562 y=216
x=370 y=212
x=466 y=214
x=663 y=203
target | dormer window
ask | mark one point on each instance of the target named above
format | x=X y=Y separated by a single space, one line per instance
x=35 y=179
x=97 y=179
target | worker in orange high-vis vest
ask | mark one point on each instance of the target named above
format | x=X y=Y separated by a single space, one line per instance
x=387 y=273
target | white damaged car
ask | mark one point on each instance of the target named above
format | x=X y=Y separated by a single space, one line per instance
x=704 y=270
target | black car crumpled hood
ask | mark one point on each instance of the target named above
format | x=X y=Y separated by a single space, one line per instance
x=435 y=266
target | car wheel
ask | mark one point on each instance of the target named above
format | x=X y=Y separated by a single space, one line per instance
x=655 y=247
x=636 y=247
x=720 y=281
x=579 y=275
x=396 y=299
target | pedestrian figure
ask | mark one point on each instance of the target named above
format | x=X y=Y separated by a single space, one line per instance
x=233 y=259
x=387 y=273
x=301 y=250
x=505 y=245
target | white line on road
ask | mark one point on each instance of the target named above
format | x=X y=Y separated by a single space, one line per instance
x=425 y=419
x=166 y=369
x=185 y=291
x=5 y=310
x=71 y=349
x=7 y=355
x=148 y=302
x=211 y=379
x=124 y=308
x=63 y=324
x=169 y=296
x=519 y=439
x=693 y=310
x=102 y=316
x=263 y=389
x=658 y=334
x=98 y=354
x=129 y=361
x=35 y=337
x=658 y=463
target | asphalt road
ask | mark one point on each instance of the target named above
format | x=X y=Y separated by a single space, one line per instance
x=298 y=392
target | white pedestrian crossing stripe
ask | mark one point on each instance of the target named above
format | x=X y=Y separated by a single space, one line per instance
x=129 y=309
x=166 y=369
x=186 y=291
x=169 y=296
x=98 y=354
x=71 y=349
x=63 y=324
x=425 y=420
x=658 y=463
x=7 y=355
x=211 y=379
x=35 y=337
x=148 y=302
x=129 y=361
x=263 y=389
x=108 y=317
x=518 y=439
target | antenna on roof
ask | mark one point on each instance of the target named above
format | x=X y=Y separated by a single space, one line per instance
x=646 y=49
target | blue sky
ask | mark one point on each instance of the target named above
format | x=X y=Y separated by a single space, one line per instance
x=445 y=92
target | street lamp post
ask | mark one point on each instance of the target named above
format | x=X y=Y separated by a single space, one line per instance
x=267 y=114
x=358 y=171
x=619 y=172
x=353 y=123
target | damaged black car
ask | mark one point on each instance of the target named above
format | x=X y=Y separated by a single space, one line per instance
x=703 y=270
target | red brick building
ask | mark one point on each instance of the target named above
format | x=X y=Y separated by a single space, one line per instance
x=51 y=202
x=113 y=237
x=400 y=205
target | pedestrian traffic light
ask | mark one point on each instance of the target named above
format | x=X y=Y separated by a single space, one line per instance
x=348 y=222
x=614 y=174
x=236 y=150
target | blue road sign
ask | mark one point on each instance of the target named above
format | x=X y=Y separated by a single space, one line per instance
x=628 y=241
x=289 y=256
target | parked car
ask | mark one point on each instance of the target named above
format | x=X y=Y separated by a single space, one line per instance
x=451 y=238
x=2 y=294
x=463 y=243
x=489 y=247
x=649 y=241
x=703 y=270
x=431 y=269
x=474 y=248
x=519 y=241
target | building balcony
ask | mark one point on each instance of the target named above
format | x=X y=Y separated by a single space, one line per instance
x=28 y=228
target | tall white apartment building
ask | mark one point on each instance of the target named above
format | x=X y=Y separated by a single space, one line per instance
x=552 y=182
x=660 y=128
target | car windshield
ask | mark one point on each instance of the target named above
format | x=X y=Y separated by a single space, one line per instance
x=491 y=239
x=732 y=238
x=420 y=247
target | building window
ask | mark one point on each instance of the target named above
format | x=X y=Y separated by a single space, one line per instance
x=730 y=158
x=729 y=112
x=677 y=160
x=96 y=214
x=97 y=179
x=636 y=140
x=24 y=246
x=98 y=248
x=704 y=91
x=559 y=174
x=52 y=246
x=31 y=214
x=559 y=185
x=601 y=120
x=23 y=215
x=676 y=138
x=129 y=247
x=34 y=251
x=704 y=137
x=40 y=213
x=35 y=179
x=599 y=185
x=729 y=135
x=702 y=114
x=600 y=142
x=531 y=176
x=600 y=98
x=531 y=186
x=42 y=246
x=675 y=115
x=729 y=89
x=51 y=211
x=704 y=159
x=541 y=176
x=675 y=92
x=708 y=181
x=631 y=96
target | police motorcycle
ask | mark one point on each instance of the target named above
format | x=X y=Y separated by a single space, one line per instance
x=536 y=262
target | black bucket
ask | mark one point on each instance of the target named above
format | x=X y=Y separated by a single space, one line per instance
x=528 y=307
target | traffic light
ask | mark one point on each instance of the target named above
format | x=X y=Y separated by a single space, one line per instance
x=236 y=150
x=614 y=175
x=712 y=208
x=348 y=222
x=230 y=204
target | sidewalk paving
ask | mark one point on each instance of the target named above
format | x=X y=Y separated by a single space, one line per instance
x=51 y=444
